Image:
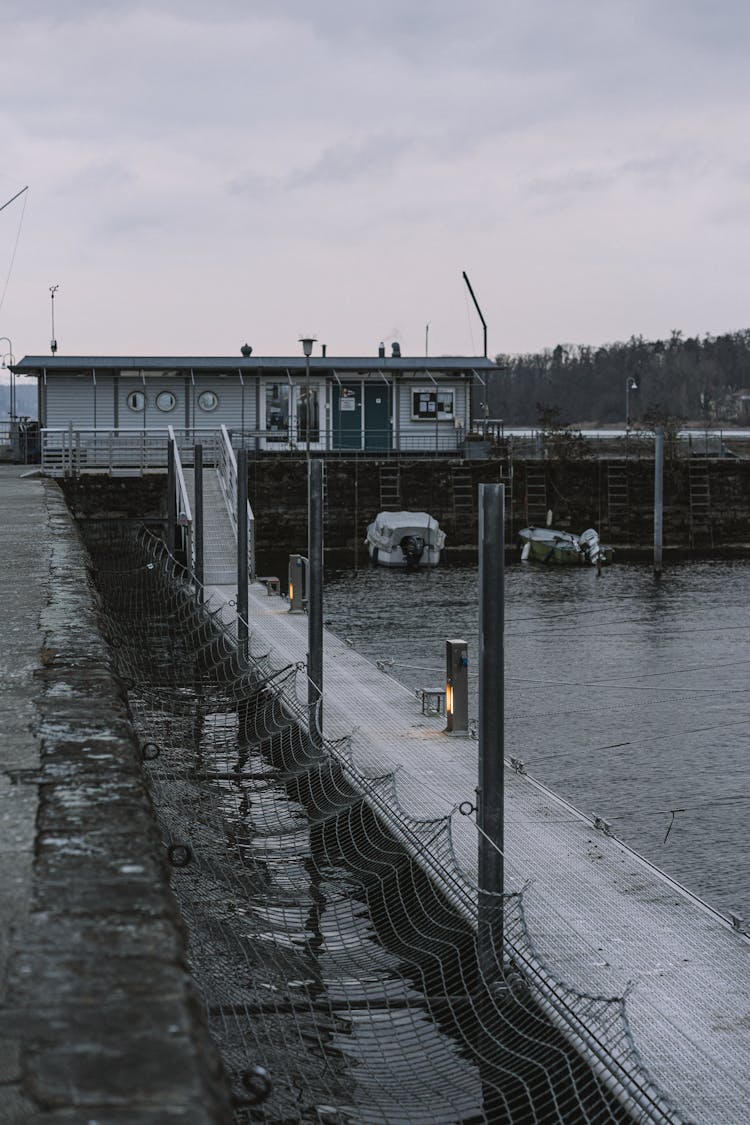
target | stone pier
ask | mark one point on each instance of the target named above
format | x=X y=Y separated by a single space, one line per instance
x=98 y=1017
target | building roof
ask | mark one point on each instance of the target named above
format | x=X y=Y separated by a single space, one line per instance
x=35 y=365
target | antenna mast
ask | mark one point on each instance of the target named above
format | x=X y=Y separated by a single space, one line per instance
x=53 y=342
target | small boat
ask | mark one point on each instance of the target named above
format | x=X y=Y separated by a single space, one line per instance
x=563 y=548
x=406 y=539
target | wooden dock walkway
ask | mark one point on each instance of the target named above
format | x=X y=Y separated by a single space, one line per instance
x=602 y=919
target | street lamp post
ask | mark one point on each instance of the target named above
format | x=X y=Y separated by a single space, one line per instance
x=630 y=385
x=307 y=347
x=10 y=356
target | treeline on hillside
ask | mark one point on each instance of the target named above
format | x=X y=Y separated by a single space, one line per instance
x=691 y=379
x=26 y=401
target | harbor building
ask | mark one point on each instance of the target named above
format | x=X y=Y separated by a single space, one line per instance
x=270 y=404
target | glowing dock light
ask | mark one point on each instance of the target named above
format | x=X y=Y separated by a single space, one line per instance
x=297 y=583
x=456 y=687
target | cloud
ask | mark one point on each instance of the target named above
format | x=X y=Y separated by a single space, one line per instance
x=250 y=164
x=370 y=158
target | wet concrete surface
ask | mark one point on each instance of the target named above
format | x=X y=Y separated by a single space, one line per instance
x=98 y=1018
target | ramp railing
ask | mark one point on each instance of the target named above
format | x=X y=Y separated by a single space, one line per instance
x=182 y=506
x=226 y=466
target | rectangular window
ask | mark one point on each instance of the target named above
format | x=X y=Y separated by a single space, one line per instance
x=429 y=405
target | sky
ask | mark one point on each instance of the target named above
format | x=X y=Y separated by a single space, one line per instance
x=201 y=175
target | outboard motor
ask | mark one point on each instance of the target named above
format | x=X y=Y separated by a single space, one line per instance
x=589 y=541
x=413 y=548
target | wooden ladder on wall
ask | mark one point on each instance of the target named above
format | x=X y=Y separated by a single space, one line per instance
x=618 y=496
x=390 y=488
x=536 y=495
x=701 y=523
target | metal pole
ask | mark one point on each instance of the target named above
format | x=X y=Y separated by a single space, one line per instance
x=315 y=592
x=13 y=197
x=243 y=599
x=171 y=497
x=198 y=516
x=307 y=411
x=490 y=813
x=658 y=498
x=476 y=306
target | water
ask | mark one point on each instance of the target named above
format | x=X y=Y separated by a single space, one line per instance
x=629 y=698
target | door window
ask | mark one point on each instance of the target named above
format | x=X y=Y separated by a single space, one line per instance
x=277 y=412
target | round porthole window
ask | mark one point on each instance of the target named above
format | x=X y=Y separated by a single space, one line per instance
x=208 y=400
x=137 y=400
x=166 y=400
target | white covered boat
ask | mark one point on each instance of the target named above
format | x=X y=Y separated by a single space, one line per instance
x=407 y=539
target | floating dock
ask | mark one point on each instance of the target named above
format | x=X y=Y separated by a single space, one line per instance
x=601 y=918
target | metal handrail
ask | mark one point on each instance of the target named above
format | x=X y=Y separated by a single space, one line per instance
x=182 y=499
x=226 y=465
x=67 y=451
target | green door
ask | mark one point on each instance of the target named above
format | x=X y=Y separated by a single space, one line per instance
x=346 y=424
x=378 y=417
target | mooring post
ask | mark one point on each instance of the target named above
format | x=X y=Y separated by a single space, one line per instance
x=490 y=811
x=198 y=516
x=171 y=498
x=658 y=498
x=243 y=603
x=315 y=592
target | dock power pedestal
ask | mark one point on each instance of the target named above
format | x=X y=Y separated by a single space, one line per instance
x=457 y=687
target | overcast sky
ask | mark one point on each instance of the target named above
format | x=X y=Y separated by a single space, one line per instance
x=205 y=174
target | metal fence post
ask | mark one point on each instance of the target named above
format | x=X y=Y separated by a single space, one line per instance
x=171 y=498
x=490 y=811
x=198 y=516
x=315 y=592
x=243 y=602
x=658 y=498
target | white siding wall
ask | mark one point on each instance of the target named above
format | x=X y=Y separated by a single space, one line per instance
x=423 y=432
x=230 y=411
x=70 y=398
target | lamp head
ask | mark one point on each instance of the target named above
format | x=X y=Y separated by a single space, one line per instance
x=307 y=344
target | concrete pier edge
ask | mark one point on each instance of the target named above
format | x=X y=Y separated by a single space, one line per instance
x=99 y=1019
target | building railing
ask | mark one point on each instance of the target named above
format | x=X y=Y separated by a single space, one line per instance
x=123 y=452
x=380 y=443
x=68 y=452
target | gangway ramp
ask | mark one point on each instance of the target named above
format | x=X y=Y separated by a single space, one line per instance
x=219 y=535
x=600 y=918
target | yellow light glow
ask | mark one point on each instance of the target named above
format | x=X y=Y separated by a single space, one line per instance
x=449 y=699
x=291 y=591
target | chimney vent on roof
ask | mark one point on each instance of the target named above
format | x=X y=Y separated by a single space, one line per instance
x=381 y=350
x=395 y=350
x=246 y=351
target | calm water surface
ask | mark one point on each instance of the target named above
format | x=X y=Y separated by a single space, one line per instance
x=629 y=698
